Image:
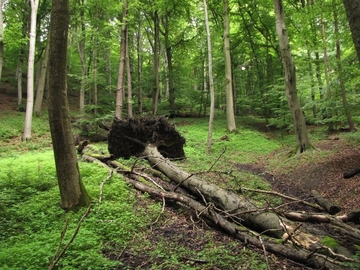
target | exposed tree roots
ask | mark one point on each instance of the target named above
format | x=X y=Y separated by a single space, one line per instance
x=267 y=228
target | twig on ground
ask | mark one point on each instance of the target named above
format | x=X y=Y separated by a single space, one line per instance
x=102 y=184
x=57 y=256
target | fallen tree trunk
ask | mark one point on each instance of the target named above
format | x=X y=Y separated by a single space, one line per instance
x=329 y=206
x=209 y=214
x=351 y=173
x=232 y=212
x=237 y=208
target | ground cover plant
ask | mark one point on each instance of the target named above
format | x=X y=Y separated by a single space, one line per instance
x=128 y=229
x=32 y=221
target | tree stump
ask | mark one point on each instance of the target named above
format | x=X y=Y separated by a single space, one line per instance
x=129 y=137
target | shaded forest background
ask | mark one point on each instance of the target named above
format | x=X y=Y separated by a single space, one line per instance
x=167 y=58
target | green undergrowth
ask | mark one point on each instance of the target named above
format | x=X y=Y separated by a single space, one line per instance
x=244 y=146
x=31 y=220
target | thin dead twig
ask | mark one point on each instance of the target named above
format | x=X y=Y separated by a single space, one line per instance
x=57 y=256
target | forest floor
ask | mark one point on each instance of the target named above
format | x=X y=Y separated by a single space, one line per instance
x=324 y=174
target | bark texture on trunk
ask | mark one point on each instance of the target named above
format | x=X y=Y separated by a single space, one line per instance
x=72 y=190
x=352 y=8
x=240 y=206
x=300 y=128
x=230 y=114
x=121 y=75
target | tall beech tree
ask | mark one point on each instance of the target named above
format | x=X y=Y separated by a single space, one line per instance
x=352 y=8
x=1 y=38
x=72 y=190
x=34 y=4
x=300 y=128
x=121 y=76
x=211 y=79
x=228 y=73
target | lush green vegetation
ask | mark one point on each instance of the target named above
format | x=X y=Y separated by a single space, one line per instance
x=32 y=221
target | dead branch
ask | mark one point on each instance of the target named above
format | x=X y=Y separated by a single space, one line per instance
x=57 y=256
x=329 y=206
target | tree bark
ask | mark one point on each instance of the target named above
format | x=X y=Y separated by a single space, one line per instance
x=72 y=190
x=211 y=80
x=30 y=78
x=139 y=67
x=230 y=115
x=41 y=83
x=352 y=8
x=1 y=38
x=329 y=206
x=300 y=128
x=208 y=211
x=156 y=63
x=340 y=71
x=128 y=76
x=82 y=54
x=241 y=207
x=121 y=74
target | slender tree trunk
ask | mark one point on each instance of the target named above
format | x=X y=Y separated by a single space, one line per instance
x=72 y=190
x=19 y=80
x=95 y=62
x=328 y=109
x=318 y=75
x=170 y=79
x=339 y=70
x=82 y=54
x=120 y=85
x=352 y=8
x=312 y=82
x=30 y=78
x=128 y=75
x=156 y=63
x=1 y=38
x=211 y=80
x=139 y=67
x=302 y=138
x=230 y=115
x=41 y=82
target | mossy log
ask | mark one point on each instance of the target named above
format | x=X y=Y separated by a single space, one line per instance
x=329 y=206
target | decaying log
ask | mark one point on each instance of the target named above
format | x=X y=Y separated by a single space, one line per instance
x=353 y=216
x=235 y=214
x=209 y=214
x=351 y=173
x=329 y=206
x=236 y=207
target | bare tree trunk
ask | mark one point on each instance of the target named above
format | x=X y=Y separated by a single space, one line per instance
x=231 y=126
x=95 y=62
x=19 y=80
x=72 y=189
x=120 y=84
x=139 y=67
x=302 y=138
x=352 y=8
x=328 y=109
x=339 y=71
x=211 y=81
x=30 y=78
x=82 y=55
x=170 y=78
x=41 y=83
x=156 y=89
x=129 y=81
x=1 y=38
